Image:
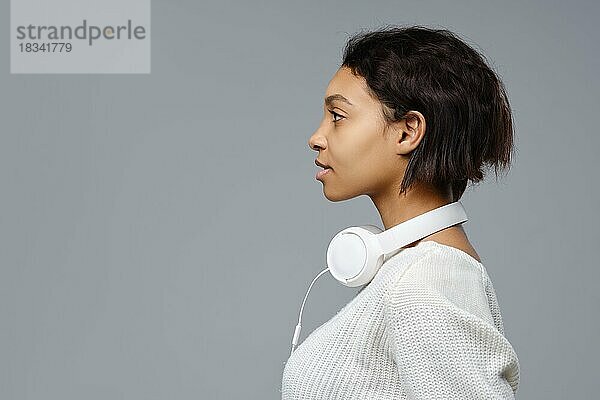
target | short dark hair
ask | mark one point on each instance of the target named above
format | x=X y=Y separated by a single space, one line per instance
x=468 y=117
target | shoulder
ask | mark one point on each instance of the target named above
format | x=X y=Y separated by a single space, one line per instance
x=441 y=276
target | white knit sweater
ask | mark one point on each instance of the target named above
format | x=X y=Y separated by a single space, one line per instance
x=428 y=326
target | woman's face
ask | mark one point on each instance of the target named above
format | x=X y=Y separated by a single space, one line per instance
x=351 y=140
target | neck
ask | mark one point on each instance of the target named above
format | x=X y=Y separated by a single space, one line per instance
x=395 y=208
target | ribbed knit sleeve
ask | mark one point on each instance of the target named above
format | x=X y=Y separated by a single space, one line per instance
x=446 y=340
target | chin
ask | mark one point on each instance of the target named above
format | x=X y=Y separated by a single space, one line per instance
x=336 y=196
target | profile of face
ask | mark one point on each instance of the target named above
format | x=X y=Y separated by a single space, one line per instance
x=353 y=141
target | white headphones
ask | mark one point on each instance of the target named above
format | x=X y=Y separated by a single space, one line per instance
x=356 y=253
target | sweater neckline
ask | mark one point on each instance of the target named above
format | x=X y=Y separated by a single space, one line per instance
x=460 y=252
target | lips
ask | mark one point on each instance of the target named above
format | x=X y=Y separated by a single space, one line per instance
x=320 y=174
x=322 y=165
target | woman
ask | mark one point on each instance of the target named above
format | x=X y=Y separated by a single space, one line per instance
x=410 y=117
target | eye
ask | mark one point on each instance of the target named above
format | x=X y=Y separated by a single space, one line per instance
x=334 y=115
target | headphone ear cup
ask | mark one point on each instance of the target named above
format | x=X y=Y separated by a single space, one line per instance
x=354 y=255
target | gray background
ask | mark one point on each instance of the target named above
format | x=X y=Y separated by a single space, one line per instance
x=158 y=232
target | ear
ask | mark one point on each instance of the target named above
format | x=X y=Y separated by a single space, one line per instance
x=409 y=132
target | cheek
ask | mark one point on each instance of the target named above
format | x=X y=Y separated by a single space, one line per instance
x=366 y=148
x=370 y=160
x=361 y=144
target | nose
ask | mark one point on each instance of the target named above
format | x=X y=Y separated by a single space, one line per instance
x=316 y=140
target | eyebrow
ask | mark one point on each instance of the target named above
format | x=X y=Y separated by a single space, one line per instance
x=336 y=97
